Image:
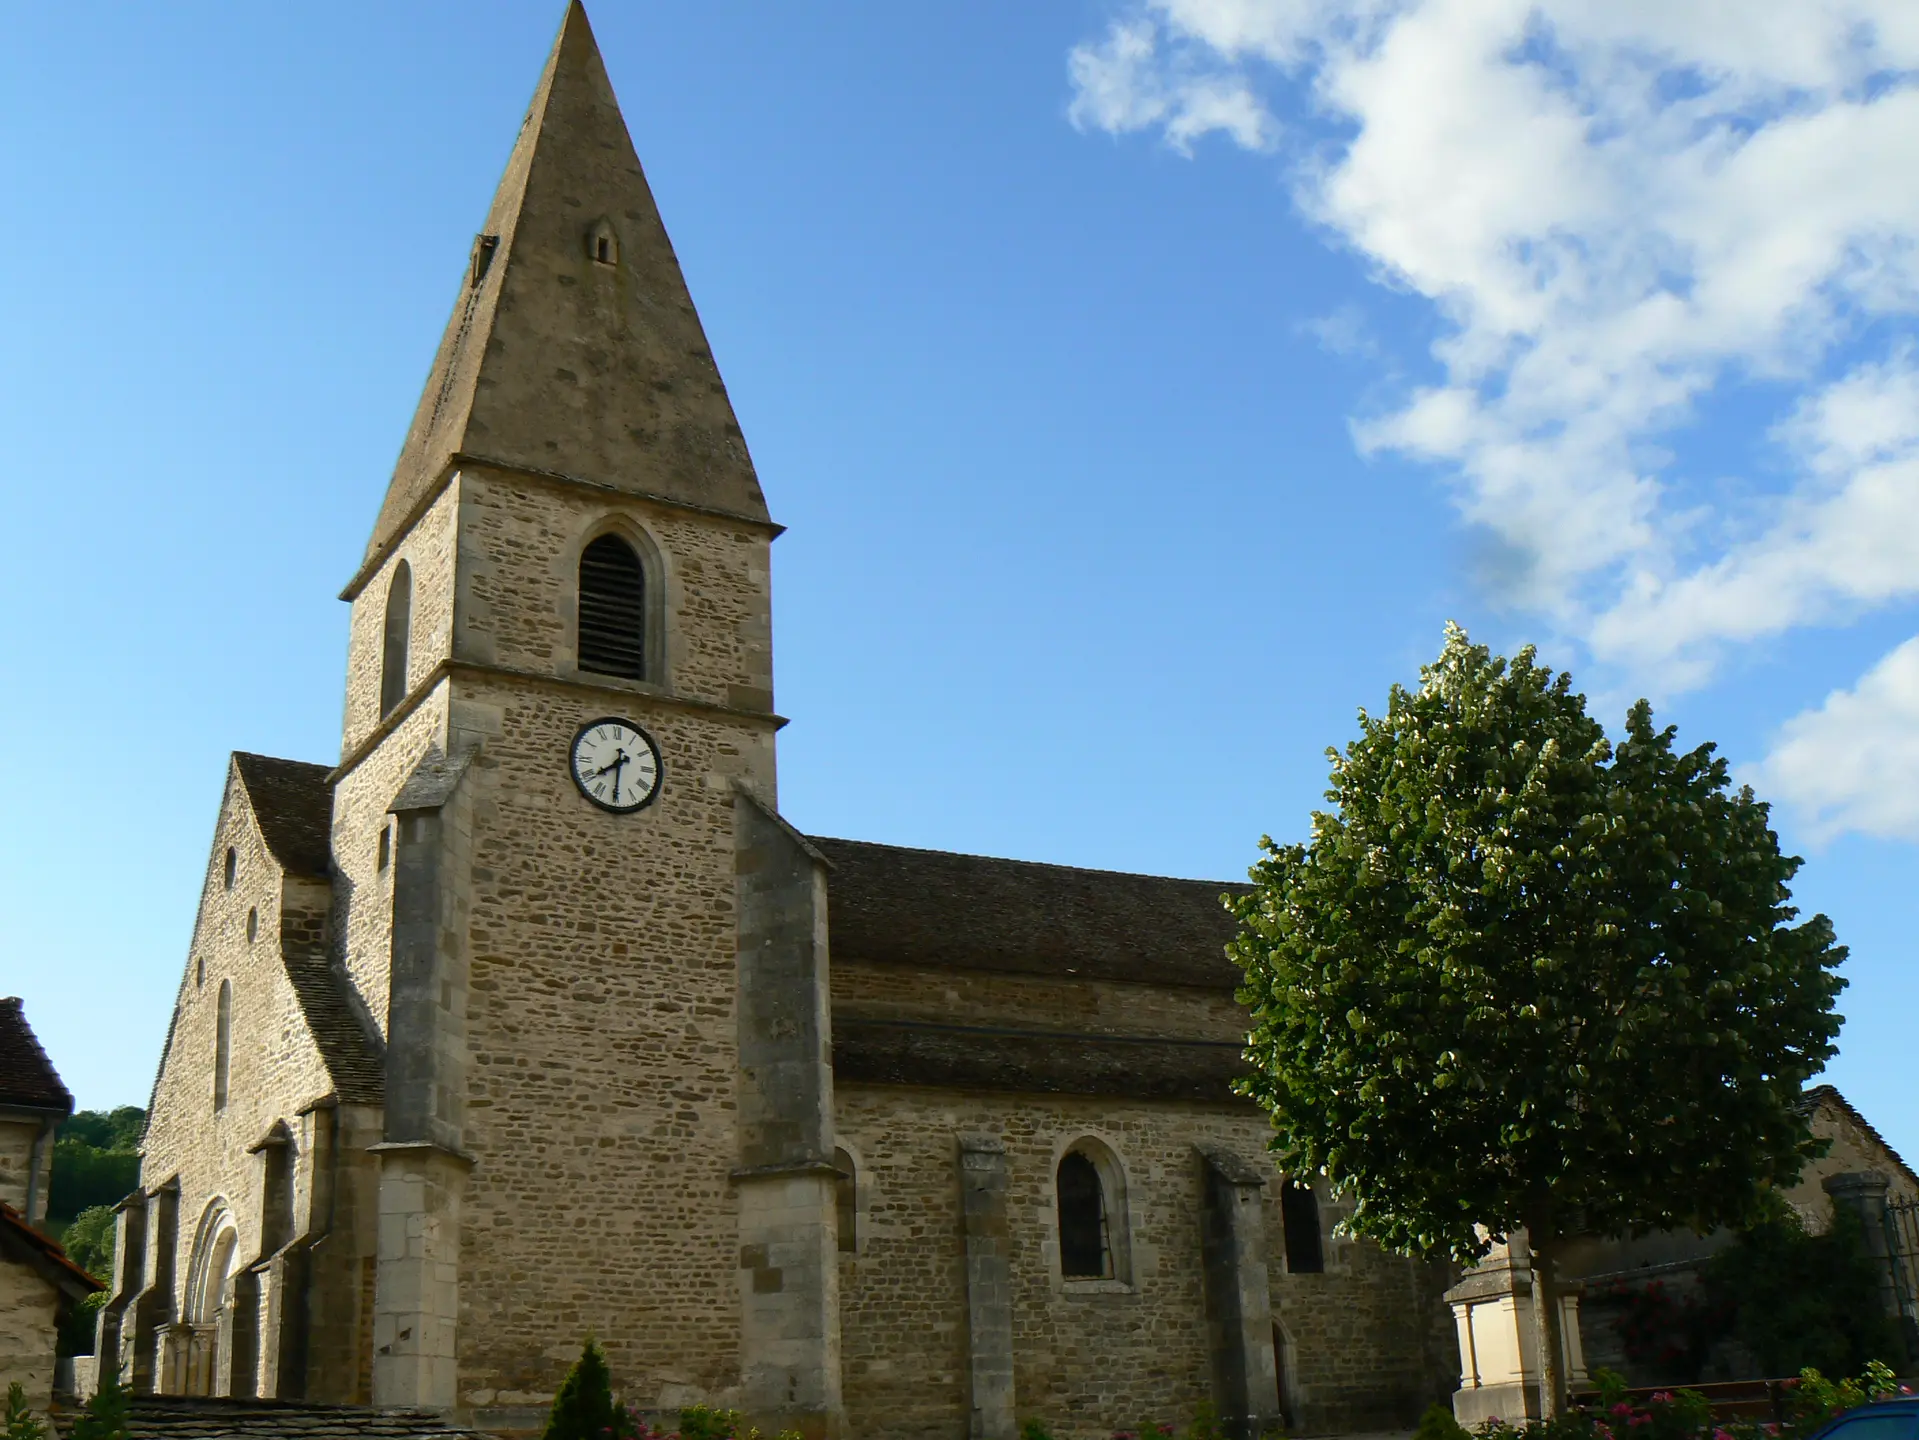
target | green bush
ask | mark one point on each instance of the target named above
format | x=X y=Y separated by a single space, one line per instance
x=1686 y=1414
x=699 y=1422
x=21 y=1423
x=105 y=1417
x=1438 y=1424
x=584 y=1409
x=1799 y=1300
x=89 y=1242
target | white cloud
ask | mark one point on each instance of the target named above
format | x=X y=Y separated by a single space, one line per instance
x=1853 y=764
x=1621 y=209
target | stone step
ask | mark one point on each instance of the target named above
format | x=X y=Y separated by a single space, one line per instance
x=189 y=1417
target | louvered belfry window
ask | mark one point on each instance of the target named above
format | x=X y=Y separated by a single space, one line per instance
x=612 y=609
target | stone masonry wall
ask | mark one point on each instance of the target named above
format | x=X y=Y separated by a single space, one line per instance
x=601 y=968
x=16 y=1160
x=600 y=1020
x=363 y=888
x=275 y=1070
x=520 y=543
x=1852 y=1149
x=28 y=1306
x=1091 y=1356
x=429 y=553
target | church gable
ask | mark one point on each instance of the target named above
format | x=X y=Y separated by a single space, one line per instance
x=262 y=1012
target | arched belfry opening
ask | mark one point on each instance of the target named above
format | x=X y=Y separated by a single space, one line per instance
x=612 y=619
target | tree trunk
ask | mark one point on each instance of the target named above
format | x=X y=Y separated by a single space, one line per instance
x=1546 y=1316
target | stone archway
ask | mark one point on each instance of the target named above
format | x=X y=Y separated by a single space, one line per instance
x=208 y=1305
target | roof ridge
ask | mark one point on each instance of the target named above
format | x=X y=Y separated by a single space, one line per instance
x=1036 y=864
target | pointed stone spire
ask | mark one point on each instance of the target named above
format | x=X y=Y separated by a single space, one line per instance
x=573 y=346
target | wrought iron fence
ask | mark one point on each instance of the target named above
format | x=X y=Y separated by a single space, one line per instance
x=1902 y=1263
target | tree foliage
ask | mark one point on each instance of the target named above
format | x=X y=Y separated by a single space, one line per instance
x=1524 y=977
x=96 y=1161
x=584 y=1409
x=1801 y=1300
x=89 y=1242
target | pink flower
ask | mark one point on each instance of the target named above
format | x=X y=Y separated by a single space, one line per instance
x=1622 y=1408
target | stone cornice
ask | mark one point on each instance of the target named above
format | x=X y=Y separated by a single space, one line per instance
x=397 y=716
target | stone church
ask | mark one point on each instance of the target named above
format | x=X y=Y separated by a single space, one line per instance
x=515 y=1023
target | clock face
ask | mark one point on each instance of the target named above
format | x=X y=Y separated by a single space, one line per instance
x=616 y=765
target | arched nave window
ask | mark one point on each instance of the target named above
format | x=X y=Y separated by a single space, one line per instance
x=399 y=621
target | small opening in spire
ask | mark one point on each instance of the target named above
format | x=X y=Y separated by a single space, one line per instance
x=483 y=248
x=602 y=244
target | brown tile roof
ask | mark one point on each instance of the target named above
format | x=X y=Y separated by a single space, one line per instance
x=24 y=1245
x=350 y=1053
x=27 y=1077
x=294 y=806
x=980 y=1057
x=889 y=904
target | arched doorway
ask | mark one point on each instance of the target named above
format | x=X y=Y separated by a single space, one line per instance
x=209 y=1288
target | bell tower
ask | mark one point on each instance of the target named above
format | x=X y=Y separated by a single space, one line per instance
x=595 y=953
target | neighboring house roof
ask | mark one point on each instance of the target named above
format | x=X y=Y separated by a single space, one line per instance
x=27 y=1077
x=24 y=1245
x=294 y=806
x=1829 y=1095
x=893 y=905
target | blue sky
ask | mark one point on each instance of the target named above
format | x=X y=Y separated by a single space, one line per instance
x=1137 y=406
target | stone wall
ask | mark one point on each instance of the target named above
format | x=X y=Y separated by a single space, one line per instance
x=276 y=1074
x=520 y=543
x=1364 y=1344
x=429 y=552
x=601 y=951
x=28 y=1309
x=18 y=1139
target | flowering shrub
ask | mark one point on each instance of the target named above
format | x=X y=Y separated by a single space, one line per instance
x=1686 y=1414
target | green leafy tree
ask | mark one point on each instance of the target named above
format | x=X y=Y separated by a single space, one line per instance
x=584 y=1409
x=96 y=1161
x=1800 y=1300
x=89 y=1242
x=1522 y=977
